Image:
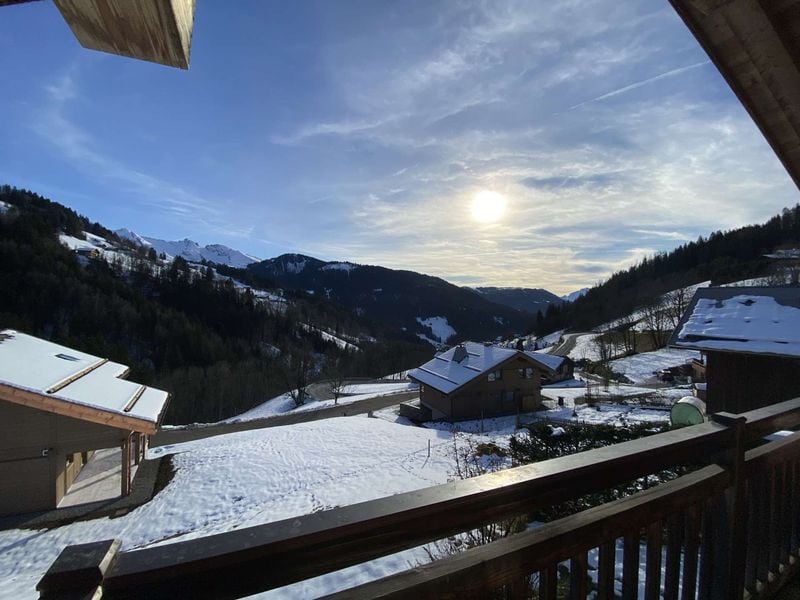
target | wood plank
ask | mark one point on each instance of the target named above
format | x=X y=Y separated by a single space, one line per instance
x=578 y=587
x=134 y=398
x=75 y=376
x=630 y=566
x=652 y=588
x=773 y=517
x=690 y=554
x=769 y=419
x=672 y=568
x=762 y=503
x=752 y=537
x=233 y=563
x=708 y=545
x=606 y=567
x=548 y=583
x=76 y=411
x=151 y=30
x=331 y=540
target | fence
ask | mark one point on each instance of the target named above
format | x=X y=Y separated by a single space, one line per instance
x=730 y=529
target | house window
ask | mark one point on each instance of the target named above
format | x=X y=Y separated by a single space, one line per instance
x=496 y=375
x=526 y=373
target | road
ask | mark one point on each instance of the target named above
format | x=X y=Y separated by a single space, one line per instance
x=568 y=343
x=176 y=436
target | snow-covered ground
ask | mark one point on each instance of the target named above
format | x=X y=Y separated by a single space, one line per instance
x=441 y=329
x=329 y=337
x=642 y=367
x=585 y=348
x=284 y=404
x=614 y=392
x=254 y=477
x=249 y=478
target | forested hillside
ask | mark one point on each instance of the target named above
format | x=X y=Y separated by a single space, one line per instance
x=214 y=347
x=397 y=298
x=721 y=258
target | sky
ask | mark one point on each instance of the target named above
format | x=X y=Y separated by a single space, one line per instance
x=595 y=131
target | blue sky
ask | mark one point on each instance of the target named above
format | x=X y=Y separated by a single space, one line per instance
x=362 y=131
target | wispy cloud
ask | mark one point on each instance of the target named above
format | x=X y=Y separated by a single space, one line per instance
x=77 y=145
x=642 y=83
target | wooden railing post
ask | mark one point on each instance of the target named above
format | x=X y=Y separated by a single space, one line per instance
x=78 y=571
x=732 y=536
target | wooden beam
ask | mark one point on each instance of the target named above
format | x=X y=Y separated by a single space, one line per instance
x=76 y=411
x=75 y=376
x=753 y=45
x=307 y=546
x=136 y=395
x=153 y=30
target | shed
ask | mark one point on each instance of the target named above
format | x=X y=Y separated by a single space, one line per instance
x=750 y=337
x=57 y=405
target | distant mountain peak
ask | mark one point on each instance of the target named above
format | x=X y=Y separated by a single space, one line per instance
x=191 y=250
x=571 y=297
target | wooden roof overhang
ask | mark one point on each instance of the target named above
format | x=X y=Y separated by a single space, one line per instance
x=158 y=31
x=60 y=406
x=755 y=45
x=153 y=30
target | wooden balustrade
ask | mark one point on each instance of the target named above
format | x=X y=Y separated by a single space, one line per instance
x=692 y=531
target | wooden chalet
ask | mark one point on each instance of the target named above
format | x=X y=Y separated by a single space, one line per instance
x=57 y=406
x=750 y=338
x=471 y=381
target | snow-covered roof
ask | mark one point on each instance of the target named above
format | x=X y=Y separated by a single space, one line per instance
x=58 y=379
x=753 y=320
x=446 y=374
x=551 y=360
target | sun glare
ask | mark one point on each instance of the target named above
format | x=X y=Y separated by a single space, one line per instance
x=488 y=207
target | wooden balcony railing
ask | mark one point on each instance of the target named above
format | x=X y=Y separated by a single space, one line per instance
x=729 y=529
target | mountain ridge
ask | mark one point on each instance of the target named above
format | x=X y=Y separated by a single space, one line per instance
x=190 y=250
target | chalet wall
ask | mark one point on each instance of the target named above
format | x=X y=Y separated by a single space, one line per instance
x=34 y=448
x=439 y=403
x=741 y=382
x=25 y=432
x=26 y=483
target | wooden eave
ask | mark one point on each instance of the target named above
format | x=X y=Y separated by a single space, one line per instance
x=755 y=45
x=158 y=31
x=63 y=407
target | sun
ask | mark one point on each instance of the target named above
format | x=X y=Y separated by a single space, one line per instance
x=488 y=206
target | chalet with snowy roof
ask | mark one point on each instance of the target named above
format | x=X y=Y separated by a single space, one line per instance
x=472 y=380
x=562 y=368
x=57 y=406
x=750 y=339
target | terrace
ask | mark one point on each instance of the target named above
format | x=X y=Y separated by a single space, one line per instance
x=729 y=528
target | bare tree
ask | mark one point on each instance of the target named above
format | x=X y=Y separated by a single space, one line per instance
x=675 y=304
x=334 y=373
x=656 y=320
x=297 y=368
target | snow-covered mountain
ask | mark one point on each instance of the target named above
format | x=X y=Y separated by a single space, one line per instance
x=191 y=250
x=575 y=295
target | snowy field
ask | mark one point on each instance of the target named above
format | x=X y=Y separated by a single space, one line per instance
x=585 y=348
x=642 y=367
x=614 y=392
x=248 y=478
x=284 y=404
x=442 y=330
